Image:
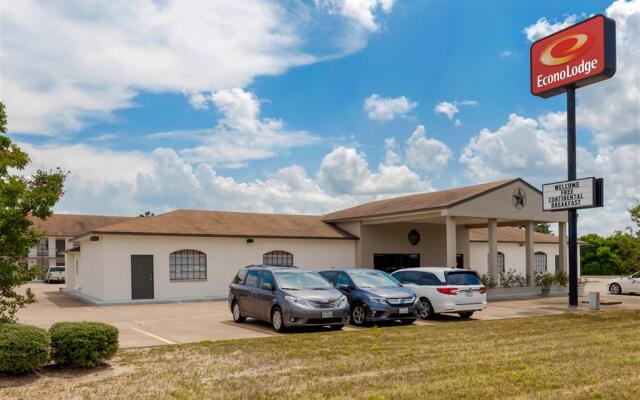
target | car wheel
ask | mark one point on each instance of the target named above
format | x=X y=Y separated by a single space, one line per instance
x=407 y=321
x=359 y=315
x=615 y=288
x=235 y=311
x=277 y=320
x=465 y=314
x=426 y=309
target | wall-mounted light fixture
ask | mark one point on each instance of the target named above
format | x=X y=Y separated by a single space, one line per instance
x=94 y=238
x=249 y=240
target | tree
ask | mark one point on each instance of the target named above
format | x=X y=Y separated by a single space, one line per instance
x=147 y=214
x=21 y=198
x=635 y=214
x=543 y=228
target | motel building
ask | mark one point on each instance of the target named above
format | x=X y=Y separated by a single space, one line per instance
x=194 y=255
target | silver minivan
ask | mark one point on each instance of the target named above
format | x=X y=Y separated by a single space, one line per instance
x=286 y=297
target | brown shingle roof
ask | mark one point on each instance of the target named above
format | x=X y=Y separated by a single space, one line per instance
x=510 y=234
x=230 y=224
x=73 y=224
x=416 y=202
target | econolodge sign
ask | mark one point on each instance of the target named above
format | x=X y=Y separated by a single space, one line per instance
x=579 y=55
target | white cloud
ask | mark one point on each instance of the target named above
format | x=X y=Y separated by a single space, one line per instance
x=535 y=149
x=426 y=154
x=451 y=109
x=241 y=135
x=95 y=57
x=360 y=12
x=612 y=108
x=387 y=108
x=521 y=147
x=506 y=54
x=543 y=27
x=345 y=171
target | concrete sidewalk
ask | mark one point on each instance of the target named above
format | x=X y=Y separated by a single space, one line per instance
x=156 y=324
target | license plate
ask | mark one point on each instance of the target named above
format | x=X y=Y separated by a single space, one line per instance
x=403 y=310
x=469 y=293
x=327 y=314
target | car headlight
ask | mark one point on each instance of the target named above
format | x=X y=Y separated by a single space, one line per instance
x=342 y=301
x=298 y=301
x=379 y=300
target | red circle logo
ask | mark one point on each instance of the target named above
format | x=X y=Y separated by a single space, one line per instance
x=566 y=49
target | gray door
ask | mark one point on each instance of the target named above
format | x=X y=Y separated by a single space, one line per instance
x=141 y=277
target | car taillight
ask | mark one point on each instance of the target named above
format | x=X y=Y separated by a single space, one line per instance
x=446 y=290
x=483 y=290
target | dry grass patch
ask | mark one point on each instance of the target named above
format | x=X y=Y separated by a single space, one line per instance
x=572 y=356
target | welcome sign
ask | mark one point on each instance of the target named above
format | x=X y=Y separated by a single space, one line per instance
x=580 y=193
x=579 y=55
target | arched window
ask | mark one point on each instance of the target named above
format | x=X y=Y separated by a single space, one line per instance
x=540 y=261
x=187 y=265
x=501 y=269
x=278 y=257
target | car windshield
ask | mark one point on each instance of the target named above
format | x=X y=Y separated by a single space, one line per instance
x=462 y=278
x=301 y=280
x=372 y=279
x=56 y=269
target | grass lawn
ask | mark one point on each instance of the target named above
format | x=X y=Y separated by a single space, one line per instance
x=573 y=356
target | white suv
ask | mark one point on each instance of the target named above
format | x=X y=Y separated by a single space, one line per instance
x=55 y=273
x=444 y=290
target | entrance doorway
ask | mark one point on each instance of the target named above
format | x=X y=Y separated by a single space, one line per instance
x=141 y=277
x=391 y=262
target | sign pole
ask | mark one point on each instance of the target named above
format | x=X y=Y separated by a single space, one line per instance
x=573 y=213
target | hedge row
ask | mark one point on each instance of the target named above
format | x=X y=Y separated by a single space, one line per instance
x=25 y=348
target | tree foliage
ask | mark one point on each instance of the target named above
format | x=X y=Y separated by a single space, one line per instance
x=543 y=228
x=21 y=197
x=618 y=254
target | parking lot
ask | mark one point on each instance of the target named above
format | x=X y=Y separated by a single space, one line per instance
x=156 y=324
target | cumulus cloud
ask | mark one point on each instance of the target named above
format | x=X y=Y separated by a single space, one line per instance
x=346 y=171
x=506 y=54
x=387 y=108
x=241 y=134
x=451 y=109
x=94 y=57
x=426 y=154
x=543 y=27
x=535 y=149
x=612 y=108
x=360 y=12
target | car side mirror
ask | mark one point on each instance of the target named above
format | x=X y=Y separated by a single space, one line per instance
x=342 y=286
x=267 y=286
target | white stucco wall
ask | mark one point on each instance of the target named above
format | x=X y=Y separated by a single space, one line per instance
x=105 y=265
x=514 y=256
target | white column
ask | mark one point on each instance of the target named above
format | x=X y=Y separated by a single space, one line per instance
x=493 y=250
x=451 y=241
x=562 y=246
x=530 y=228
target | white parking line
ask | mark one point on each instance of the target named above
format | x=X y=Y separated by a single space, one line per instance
x=167 y=341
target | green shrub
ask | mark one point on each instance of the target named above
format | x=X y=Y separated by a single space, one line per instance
x=83 y=344
x=23 y=348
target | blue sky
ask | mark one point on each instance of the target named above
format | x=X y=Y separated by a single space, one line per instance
x=295 y=135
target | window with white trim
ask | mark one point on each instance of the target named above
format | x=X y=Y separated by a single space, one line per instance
x=187 y=265
x=540 y=262
x=278 y=258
